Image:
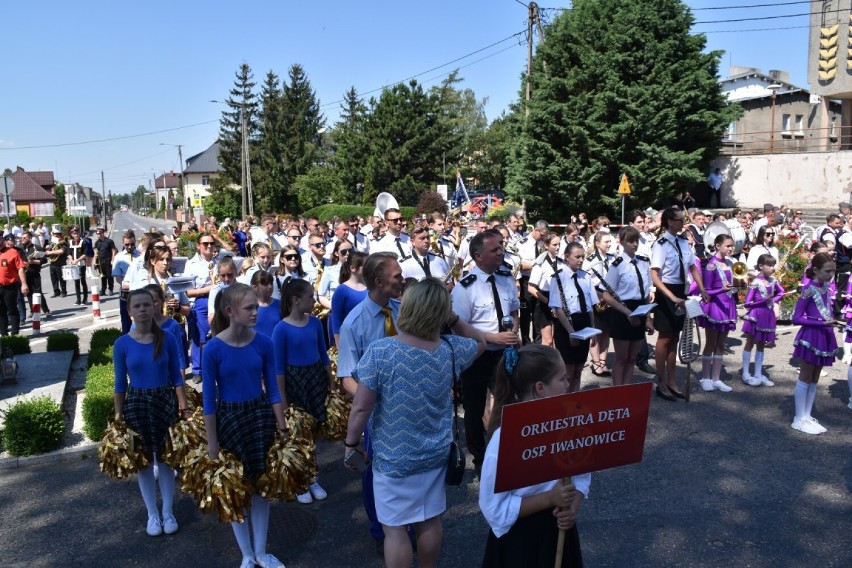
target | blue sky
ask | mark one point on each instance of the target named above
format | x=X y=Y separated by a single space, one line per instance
x=90 y=71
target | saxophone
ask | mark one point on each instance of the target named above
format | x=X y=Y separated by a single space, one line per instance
x=213 y=273
x=319 y=310
x=168 y=295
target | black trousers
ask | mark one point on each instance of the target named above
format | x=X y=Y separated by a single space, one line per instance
x=34 y=285
x=476 y=380
x=106 y=277
x=529 y=330
x=81 y=283
x=56 y=279
x=9 y=308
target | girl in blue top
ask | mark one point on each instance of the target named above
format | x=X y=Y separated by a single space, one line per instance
x=238 y=367
x=301 y=357
x=350 y=293
x=169 y=325
x=269 y=308
x=149 y=405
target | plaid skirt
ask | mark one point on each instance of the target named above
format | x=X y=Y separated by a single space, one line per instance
x=247 y=429
x=307 y=388
x=151 y=412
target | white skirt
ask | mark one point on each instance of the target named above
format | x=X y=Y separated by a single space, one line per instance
x=413 y=499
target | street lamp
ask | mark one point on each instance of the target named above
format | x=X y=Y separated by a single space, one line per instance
x=773 y=88
x=246 y=194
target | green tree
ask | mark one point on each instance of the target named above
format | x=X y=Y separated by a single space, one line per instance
x=300 y=134
x=317 y=187
x=489 y=165
x=351 y=148
x=241 y=98
x=224 y=199
x=270 y=187
x=619 y=86
x=59 y=194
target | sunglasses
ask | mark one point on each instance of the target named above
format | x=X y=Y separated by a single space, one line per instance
x=343 y=252
x=768 y=234
x=291 y=256
x=294 y=236
x=207 y=244
x=317 y=245
x=393 y=220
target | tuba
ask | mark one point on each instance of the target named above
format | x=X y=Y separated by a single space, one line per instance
x=384 y=201
x=169 y=295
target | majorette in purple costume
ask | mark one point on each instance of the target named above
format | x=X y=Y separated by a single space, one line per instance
x=720 y=313
x=815 y=342
x=760 y=322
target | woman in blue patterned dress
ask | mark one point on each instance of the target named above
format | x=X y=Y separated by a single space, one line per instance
x=404 y=388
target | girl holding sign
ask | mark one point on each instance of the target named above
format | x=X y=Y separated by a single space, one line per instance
x=525 y=522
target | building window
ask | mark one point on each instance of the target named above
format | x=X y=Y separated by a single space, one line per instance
x=832 y=135
x=785 y=126
x=800 y=132
x=205 y=180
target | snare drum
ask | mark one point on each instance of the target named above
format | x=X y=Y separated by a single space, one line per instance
x=71 y=272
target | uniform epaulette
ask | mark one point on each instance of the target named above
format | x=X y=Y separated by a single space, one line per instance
x=523 y=240
x=500 y=272
x=468 y=280
x=661 y=240
x=617 y=261
x=506 y=264
x=403 y=258
x=643 y=258
x=581 y=273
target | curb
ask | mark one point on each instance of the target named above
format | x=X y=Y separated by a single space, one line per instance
x=56 y=456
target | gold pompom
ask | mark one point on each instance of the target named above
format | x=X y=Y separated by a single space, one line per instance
x=216 y=486
x=290 y=468
x=193 y=398
x=120 y=451
x=184 y=435
x=337 y=407
x=332 y=356
x=300 y=423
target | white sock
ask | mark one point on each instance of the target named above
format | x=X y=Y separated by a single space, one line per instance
x=809 y=401
x=706 y=363
x=167 y=488
x=148 y=487
x=717 y=367
x=847 y=349
x=849 y=382
x=241 y=531
x=259 y=524
x=800 y=398
x=758 y=364
x=746 y=361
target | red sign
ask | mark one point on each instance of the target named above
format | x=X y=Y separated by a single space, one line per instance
x=570 y=434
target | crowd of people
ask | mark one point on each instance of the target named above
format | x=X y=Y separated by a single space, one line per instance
x=418 y=310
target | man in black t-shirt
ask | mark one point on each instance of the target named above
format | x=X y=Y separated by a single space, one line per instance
x=105 y=251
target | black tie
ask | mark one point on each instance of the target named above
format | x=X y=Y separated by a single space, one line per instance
x=426 y=270
x=497 y=304
x=681 y=269
x=639 y=278
x=581 y=296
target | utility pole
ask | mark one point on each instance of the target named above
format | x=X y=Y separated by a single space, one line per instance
x=180 y=156
x=533 y=19
x=248 y=199
x=103 y=201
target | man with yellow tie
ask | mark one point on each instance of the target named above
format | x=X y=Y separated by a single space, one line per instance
x=374 y=318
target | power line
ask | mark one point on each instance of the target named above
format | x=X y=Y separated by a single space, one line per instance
x=773 y=4
x=757 y=18
x=108 y=139
x=122 y=165
x=362 y=95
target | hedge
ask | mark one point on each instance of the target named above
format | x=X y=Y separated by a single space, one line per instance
x=100 y=347
x=64 y=342
x=326 y=212
x=98 y=408
x=19 y=344
x=33 y=426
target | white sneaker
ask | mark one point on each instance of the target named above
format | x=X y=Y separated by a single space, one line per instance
x=751 y=381
x=802 y=425
x=317 y=492
x=305 y=498
x=850 y=404
x=817 y=426
x=247 y=562
x=847 y=359
x=764 y=380
x=155 y=526
x=719 y=385
x=269 y=561
x=706 y=384
x=170 y=525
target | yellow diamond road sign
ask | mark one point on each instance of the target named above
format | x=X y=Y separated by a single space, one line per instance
x=624 y=187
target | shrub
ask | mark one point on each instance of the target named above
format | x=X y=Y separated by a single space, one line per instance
x=19 y=344
x=326 y=212
x=98 y=406
x=100 y=347
x=431 y=201
x=64 y=342
x=33 y=426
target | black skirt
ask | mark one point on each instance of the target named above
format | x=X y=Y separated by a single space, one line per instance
x=543 y=315
x=572 y=355
x=307 y=387
x=620 y=327
x=247 y=429
x=665 y=319
x=531 y=543
x=151 y=412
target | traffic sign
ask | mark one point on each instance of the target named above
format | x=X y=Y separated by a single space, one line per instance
x=196 y=200
x=8 y=185
x=624 y=187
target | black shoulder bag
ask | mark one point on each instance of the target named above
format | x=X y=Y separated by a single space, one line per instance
x=456 y=459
